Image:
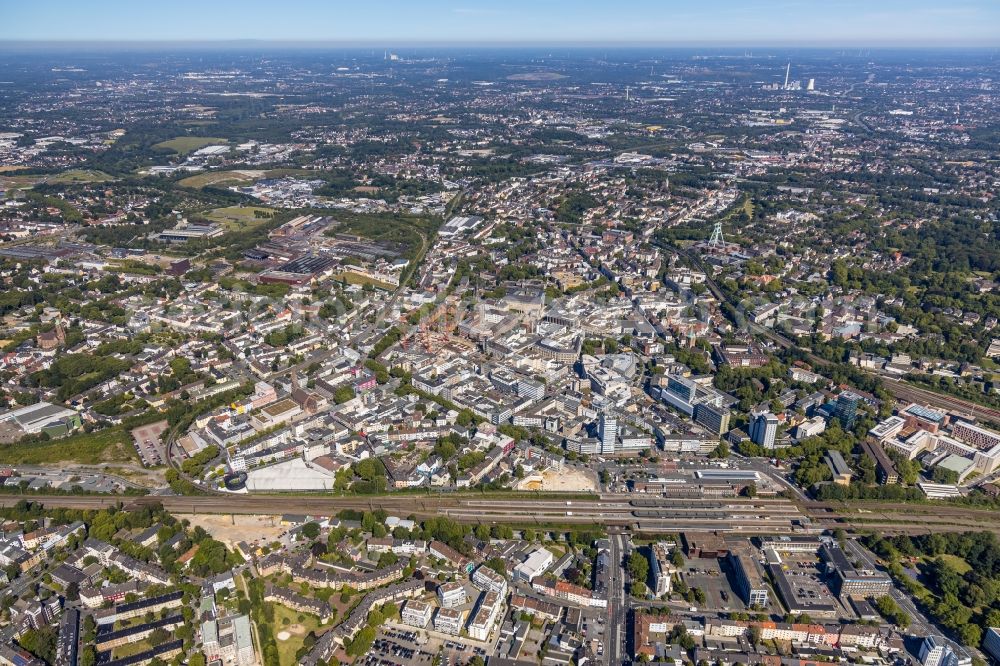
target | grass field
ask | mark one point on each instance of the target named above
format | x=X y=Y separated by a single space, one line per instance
x=80 y=176
x=745 y=207
x=236 y=177
x=220 y=178
x=355 y=278
x=130 y=649
x=748 y=207
x=19 y=181
x=64 y=178
x=183 y=145
x=236 y=218
x=957 y=563
x=297 y=631
x=111 y=445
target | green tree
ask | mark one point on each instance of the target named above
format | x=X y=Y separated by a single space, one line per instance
x=41 y=642
x=498 y=565
x=638 y=567
x=369 y=469
x=343 y=394
x=310 y=530
x=362 y=642
x=88 y=656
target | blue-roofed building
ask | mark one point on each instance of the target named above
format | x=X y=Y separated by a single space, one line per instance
x=919 y=416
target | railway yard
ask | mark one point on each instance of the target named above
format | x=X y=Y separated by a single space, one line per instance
x=646 y=514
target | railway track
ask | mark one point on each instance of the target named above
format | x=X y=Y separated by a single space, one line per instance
x=643 y=514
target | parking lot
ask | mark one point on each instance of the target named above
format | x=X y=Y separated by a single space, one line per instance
x=397 y=646
x=148 y=445
x=394 y=647
x=456 y=653
x=593 y=627
x=708 y=576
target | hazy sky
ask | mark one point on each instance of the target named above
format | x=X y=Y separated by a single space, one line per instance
x=389 y=22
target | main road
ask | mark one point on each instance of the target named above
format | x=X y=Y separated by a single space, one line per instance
x=615 y=637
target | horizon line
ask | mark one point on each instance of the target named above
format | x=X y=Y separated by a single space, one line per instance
x=482 y=44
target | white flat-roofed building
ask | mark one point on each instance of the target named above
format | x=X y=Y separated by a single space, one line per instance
x=449 y=621
x=209 y=151
x=416 y=613
x=788 y=544
x=940 y=490
x=886 y=429
x=731 y=475
x=913 y=445
x=451 y=594
x=482 y=621
x=487 y=579
x=535 y=565
x=811 y=428
x=185 y=231
x=661 y=568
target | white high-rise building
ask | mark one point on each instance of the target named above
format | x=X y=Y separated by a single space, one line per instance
x=607 y=432
x=936 y=652
x=764 y=429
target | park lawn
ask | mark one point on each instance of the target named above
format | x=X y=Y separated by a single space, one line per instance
x=238 y=218
x=182 y=145
x=80 y=176
x=957 y=563
x=288 y=648
x=88 y=448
